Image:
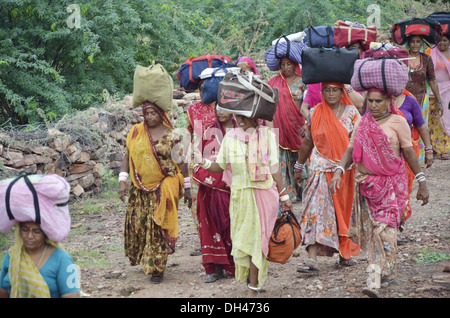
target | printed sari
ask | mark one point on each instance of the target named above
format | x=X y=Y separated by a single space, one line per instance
x=213 y=204
x=439 y=127
x=151 y=226
x=289 y=137
x=326 y=216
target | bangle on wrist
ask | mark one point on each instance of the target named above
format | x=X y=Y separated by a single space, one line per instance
x=299 y=166
x=340 y=168
x=284 y=198
x=206 y=164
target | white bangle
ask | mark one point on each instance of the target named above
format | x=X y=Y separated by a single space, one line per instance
x=123 y=176
x=418 y=175
x=421 y=179
x=284 y=197
x=206 y=163
x=340 y=168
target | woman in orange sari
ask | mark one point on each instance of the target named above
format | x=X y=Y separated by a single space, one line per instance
x=151 y=222
x=326 y=216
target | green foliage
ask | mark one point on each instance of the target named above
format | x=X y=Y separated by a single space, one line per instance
x=47 y=61
x=429 y=257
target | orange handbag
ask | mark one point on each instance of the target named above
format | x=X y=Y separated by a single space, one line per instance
x=285 y=238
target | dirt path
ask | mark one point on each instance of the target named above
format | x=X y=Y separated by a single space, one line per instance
x=96 y=243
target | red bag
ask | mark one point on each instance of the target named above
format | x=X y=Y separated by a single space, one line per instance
x=384 y=52
x=427 y=28
x=189 y=72
x=346 y=34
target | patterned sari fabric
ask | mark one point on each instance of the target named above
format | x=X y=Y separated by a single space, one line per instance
x=253 y=204
x=439 y=127
x=289 y=130
x=151 y=225
x=213 y=204
x=326 y=216
x=380 y=198
x=201 y=116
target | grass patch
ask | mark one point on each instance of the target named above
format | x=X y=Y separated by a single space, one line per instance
x=431 y=257
x=89 y=259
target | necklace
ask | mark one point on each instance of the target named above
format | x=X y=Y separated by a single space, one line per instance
x=42 y=256
x=384 y=117
x=339 y=111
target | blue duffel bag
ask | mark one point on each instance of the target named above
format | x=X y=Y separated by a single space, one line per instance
x=189 y=72
x=319 y=36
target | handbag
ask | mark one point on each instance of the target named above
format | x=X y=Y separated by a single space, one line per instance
x=247 y=95
x=189 y=73
x=386 y=74
x=346 y=33
x=285 y=238
x=284 y=49
x=427 y=28
x=333 y=64
x=152 y=84
x=319 y=36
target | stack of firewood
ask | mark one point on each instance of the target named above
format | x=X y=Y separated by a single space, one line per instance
x=68 y=152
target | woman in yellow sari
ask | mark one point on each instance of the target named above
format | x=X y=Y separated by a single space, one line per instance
x=151 y=222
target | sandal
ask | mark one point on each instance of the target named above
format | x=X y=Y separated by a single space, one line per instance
x=346 y=262
x=156 y=279
x=196 y=252
x=445 y=156
x=370 y=292
x=211 y=278
x=308 y=266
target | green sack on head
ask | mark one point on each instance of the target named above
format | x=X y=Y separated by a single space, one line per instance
x=153 y=84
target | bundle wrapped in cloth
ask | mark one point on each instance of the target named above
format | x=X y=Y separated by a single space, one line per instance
x=153 y=84
x=387 y=74
x=42 y=199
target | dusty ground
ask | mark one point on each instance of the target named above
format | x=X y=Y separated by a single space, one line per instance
x=96 y=244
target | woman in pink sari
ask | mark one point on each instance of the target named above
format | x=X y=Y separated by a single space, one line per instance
x=380 y=144
x=439 y=123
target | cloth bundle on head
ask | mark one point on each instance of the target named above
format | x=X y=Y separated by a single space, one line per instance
x=153 y=84
x=42 y=199
x=284 y=49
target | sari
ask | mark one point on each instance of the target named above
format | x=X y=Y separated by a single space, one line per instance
x=26 y=280
x=253 y=204
x=213 y=204
x=249 y=62
x=380 y=198
x=289 y=130
x=201 y=116
x=326 y=216
x=151 y=227
x=439 y=127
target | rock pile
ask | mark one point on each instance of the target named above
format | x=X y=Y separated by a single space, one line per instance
x=81 y=148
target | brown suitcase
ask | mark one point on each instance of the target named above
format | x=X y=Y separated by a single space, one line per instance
x=247 y=95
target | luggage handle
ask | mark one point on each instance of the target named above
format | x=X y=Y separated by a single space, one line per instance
x=253 y=88
x=383 y=73
x=288 y=48
x=33 y=191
